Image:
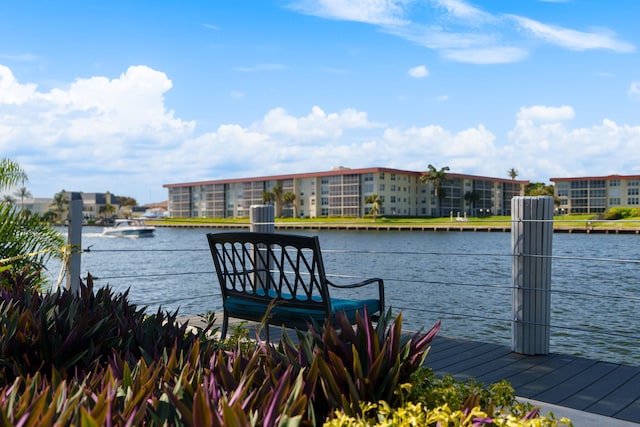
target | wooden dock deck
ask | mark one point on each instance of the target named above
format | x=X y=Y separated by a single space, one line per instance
x=592 y=386
x=597 y=387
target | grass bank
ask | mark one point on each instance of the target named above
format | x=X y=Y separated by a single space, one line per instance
x=561 y=223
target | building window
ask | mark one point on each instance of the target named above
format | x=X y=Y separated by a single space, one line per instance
x=614 y=201
x=614 y=183
x=633 y=201
x=633 y=191
x=381 y=187
x=633 y=183
x=393 y=177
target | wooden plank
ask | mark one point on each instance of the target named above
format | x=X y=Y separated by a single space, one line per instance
x=630 y=413
x=600 y=390
x=573 y=379
x=623 y=402
x=470 y=352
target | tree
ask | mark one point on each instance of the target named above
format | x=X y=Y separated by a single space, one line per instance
x=376 y=204
x=7 y=199
x=472 y=197
x=127 y=201
x=277 y=195
x=288 y=198
x=60 y=202
x=27 y=241
x=539 y=189
x=107 y=210
x=11 y=174
x=513 y=173
x=268 y=197
x=437 y=178
x=23 y=193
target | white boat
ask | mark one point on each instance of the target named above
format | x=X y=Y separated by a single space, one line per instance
x=129 y=228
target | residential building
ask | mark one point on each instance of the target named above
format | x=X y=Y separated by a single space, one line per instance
x=596 y=194
x=342 y=192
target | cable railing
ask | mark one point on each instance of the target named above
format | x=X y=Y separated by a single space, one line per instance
x=498 y=282
x=475 y=286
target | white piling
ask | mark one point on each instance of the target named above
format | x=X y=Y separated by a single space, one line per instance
x=74 y=242
x=531 y=244
x=261 y=218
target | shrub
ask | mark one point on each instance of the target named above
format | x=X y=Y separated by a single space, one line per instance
x=75 y=333
x=355 y=364
x=432 y=401
x=95 y=359
x=617 y=213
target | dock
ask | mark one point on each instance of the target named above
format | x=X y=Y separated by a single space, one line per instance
x=596 y=387
x=593 y=387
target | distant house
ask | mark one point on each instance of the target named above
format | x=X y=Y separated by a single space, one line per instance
x=94 y=204
x=37 y=205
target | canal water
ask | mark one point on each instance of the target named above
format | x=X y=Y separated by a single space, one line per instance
x=461 y=278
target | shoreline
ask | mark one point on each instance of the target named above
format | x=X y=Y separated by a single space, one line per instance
x=408 y=227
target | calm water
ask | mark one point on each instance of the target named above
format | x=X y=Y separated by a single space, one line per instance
x=461 y=278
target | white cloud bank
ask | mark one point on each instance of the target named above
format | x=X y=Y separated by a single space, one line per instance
x=102 y=134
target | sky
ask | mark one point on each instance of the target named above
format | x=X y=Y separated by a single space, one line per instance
x=125 y=96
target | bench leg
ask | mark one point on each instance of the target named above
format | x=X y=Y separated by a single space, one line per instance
x=225 y=324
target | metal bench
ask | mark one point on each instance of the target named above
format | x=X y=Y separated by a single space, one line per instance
x=280 y=278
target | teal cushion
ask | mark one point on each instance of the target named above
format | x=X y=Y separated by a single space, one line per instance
x=243 y=307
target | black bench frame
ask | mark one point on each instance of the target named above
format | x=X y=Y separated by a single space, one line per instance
x=282 y=274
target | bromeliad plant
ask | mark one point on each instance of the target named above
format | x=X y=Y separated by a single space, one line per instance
x=75 y=333
x=360 y=363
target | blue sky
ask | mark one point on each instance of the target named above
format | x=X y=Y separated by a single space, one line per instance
x=125 y=96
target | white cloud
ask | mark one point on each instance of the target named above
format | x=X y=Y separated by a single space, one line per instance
x=462 y=9
x=459 y=31
x=380 y=12
x=95 y=133
x=11 y=92
x=546 y=114
x=493 y=55
x=548 y=149
x=634 y=89
x=572 y=39
x=419 y=72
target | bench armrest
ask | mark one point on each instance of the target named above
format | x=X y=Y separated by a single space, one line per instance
x=363 y=283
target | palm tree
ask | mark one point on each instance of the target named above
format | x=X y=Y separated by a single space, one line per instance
x=376 y=204
x=60 y=202
x=24 y=232
x=7 y=199
x=23 y=193
x=277 y=196
x=11 y=174
x=437 y=178
x=513 y=173
x=268 y=197
x=472 y=197
x=288 y=198
x=107 y=210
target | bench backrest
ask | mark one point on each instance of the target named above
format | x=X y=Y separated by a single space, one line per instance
x=264 y=266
